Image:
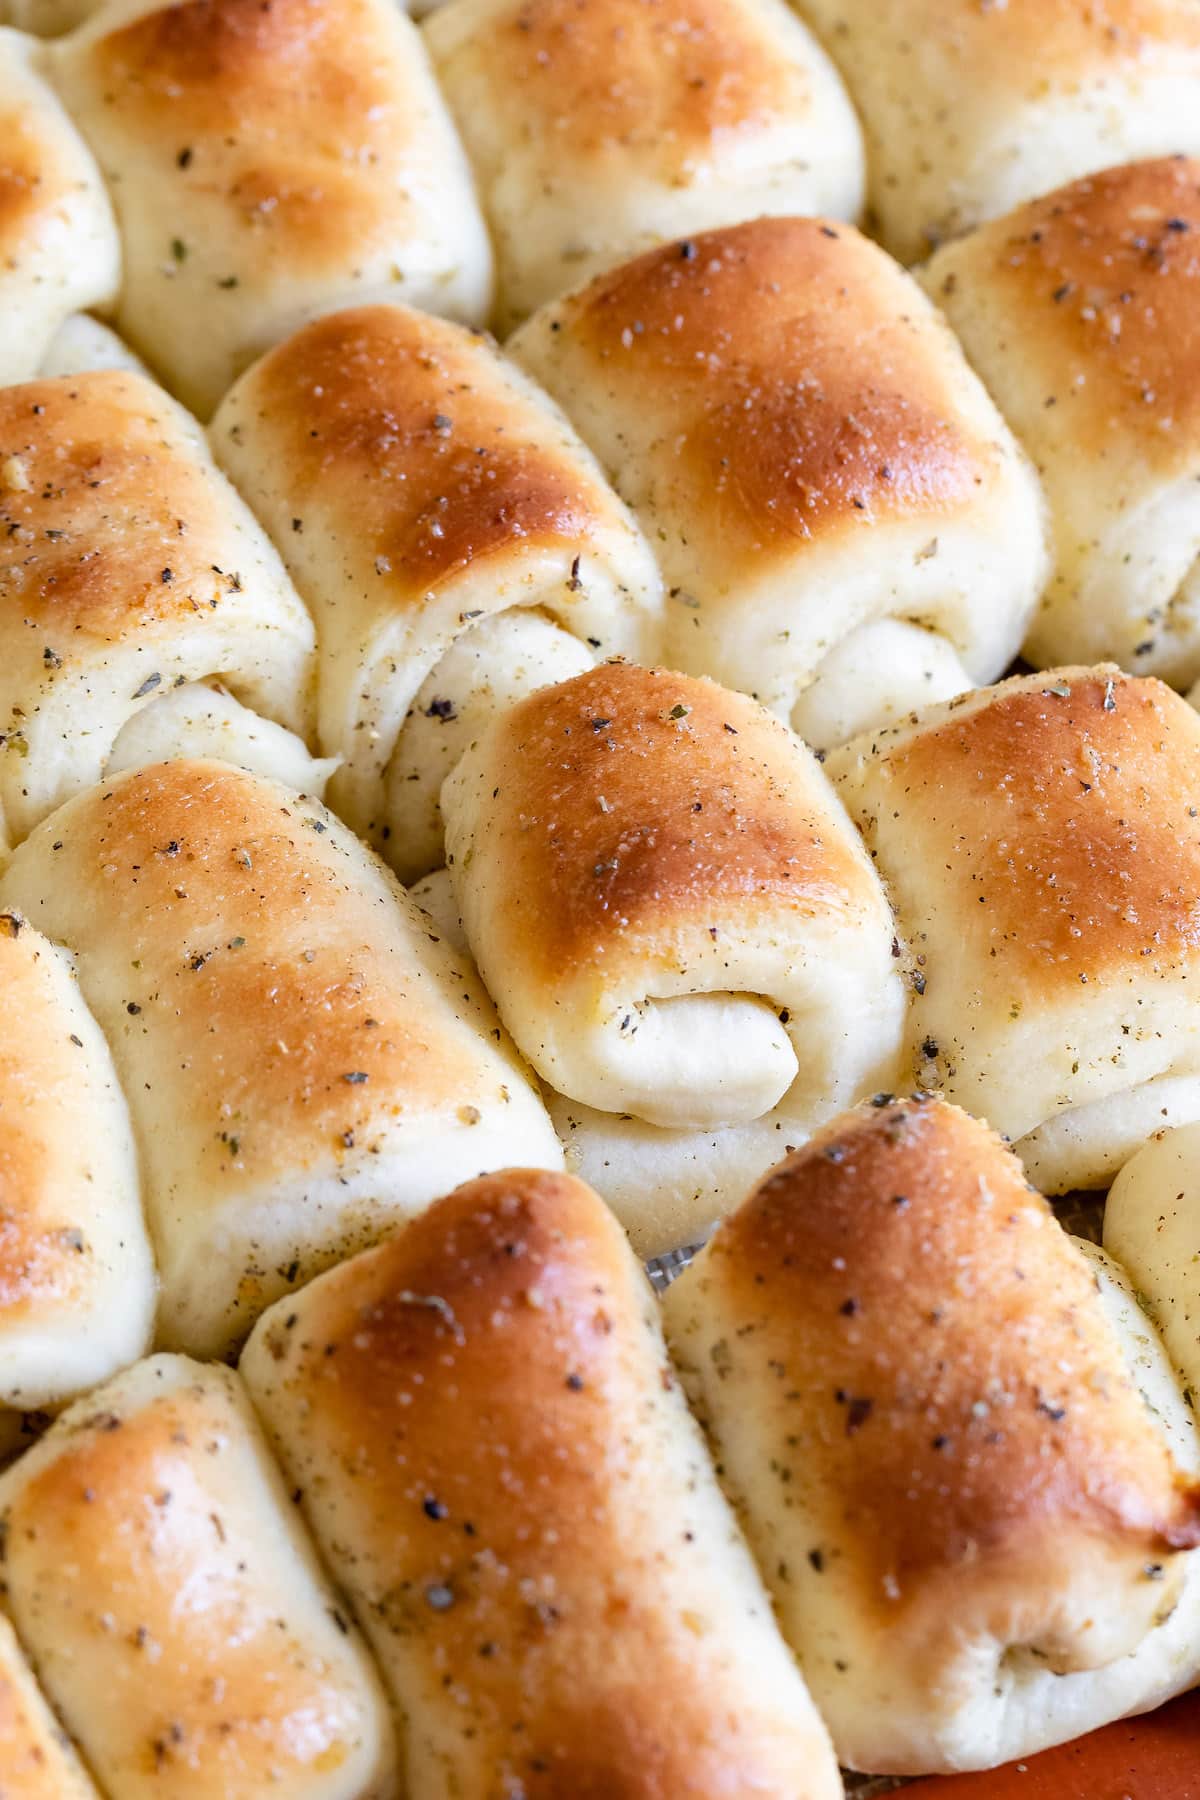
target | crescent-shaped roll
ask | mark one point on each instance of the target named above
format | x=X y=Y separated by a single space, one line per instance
x=1152 y=1224
x=814 y=461
x=304 y=1063
x=1080 y=313
x=482 y=1424
x=972 y=1524
x=269 y=162
x=58 y=240
x=37 y=1760
x=1040 y=841
x=668 y=905
x=598 y=128
x=420 y=488
x=128 y=565
x=972 y=106
x=174 y=1608
x=77 y=1286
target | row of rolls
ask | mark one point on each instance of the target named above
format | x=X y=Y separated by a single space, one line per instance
x=239 y=1064
x=913 y=1481
x=758 y=455
x=225 y=168
x=651 y=670
x=393 y=549
x=696 y=945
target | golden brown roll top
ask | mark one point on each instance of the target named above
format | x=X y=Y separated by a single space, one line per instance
x=77 y=1285
x=36 y=1755
x=598 y=127
x=806 y=446
x=681 y=930
x=1080 y=312
x=58 y=239
x=971 y=1524
x=1041 y=845
x=668 y=904
x=174 y=1608
x=304 y=1062
x=482 y=1424
x=971 y=108
x=418 y=486
x=267 y=163
x=127 y=566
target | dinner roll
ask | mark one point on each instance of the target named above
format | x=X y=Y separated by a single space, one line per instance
x=813 y=459
x=58 y=239
x=972 y=106
x=1041 y=846
x=127 y=564
x=971 y=1523
x=304 y=1066
x=36 y=1755
x=77 y=1286
x=1152 y=1223
x=482 y=1425
x=269 y=162
x=420 y=489
x=1079 y=311
x=600 y=127
x=669 y=907
x=175 y=1610
x=681 y=931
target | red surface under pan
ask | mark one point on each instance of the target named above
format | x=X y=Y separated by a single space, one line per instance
x=1152 y=1758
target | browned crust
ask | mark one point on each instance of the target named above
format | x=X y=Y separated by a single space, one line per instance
x=1064 y=812
x=260 y=966
x=663 y=78
x=1101 y=283
x=942 y=1354
x=107 y=516
x=477 y=1387
x=34 y=1751
x=800 y=386
x=633 y=805
x=280 y=108
x=223 y=1681
x=406 y=427
x=45 y=1260
x=31 y=188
